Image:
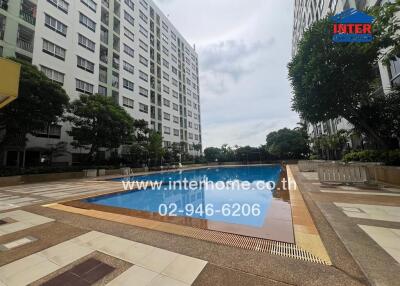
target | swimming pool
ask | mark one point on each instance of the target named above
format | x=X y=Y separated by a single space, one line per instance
x=254 y=209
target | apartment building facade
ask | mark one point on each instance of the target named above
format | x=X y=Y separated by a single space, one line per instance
x=308 y=11
x=125 y=49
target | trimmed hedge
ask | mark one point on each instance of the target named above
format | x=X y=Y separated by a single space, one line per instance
x=5 y=172
x=389 y=157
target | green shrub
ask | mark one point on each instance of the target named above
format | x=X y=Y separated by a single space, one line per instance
x=389 y=157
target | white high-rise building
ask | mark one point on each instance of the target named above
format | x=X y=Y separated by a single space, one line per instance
x=308 y=11
x=126 y=49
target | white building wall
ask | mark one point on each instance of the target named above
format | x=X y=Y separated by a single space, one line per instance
x=71 y=72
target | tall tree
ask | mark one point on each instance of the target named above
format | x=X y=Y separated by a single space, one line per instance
x=287 y=144
x=40 y=103
x=98 y=122
x=332 y=80
x=155 y=148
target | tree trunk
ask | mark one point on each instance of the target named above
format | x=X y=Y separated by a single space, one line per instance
x=357 y=119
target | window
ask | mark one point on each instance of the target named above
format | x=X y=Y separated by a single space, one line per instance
x=130 y=4
x=165 y=51
x=143 y=108
x=166 y=89
x=60 y=4
x=143 y=92
x=143 y=76
x=143 y=60
x=174 y=82
x=167 y=130
x=165 y=38
x=189 y=103
x=143 y=46
x=173 y=47
x=166 y=102
x=175 y=107
x=144 y=4
x=167 y=116
x=91 y=4
x=102 y=90
x=176 y=132
x=55 y=25
x=143 y=16
x=53 y=74
x=86 y=43
x=190 y=124
x=166 y=76
x=165 y=26
x=128 y=67
x=85 y=64
x=128 y=84
x=129 y=18
x=129 y=51
x=54 y=50
x=190 y=135
x=175 y=70
x=174 y=59
x=173 y=36
x=176 y=119
x=127 y=102
x=129 y=34
x=175 y=94
x=143 y=31
x=165 y=63
x=85 y=21
x=83 y=86
x=196 y=137
x=194 y=115
x=189 y=113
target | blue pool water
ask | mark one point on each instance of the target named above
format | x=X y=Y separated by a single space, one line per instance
x=231 y=204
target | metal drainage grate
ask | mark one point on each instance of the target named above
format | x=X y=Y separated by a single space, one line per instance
x=251 y=243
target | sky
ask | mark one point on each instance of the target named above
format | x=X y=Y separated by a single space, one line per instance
x=244 y=47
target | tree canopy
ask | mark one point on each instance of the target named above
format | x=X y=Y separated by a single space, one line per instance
x=40 y=102
x=333 y=80
x=98 y=122
x=287 y=144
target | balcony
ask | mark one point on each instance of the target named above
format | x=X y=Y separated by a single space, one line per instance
x=104 y=54
x=104 y=35
x=115 y=62
x=28 y=12
x=25 y=38
x=2 y=26
x=103 y=75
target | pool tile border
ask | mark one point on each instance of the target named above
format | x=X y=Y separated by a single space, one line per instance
x=305 y=232
x=234 y=240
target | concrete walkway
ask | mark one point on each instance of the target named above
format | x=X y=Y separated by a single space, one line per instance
x=367 y=221
x=213 y=264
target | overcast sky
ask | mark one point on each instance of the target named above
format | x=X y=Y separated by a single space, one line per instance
x=244 y=47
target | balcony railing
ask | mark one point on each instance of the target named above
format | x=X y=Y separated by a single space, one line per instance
x=27 y=16
x=25 y=45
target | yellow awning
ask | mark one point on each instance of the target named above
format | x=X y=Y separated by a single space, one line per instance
x=9 y=81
